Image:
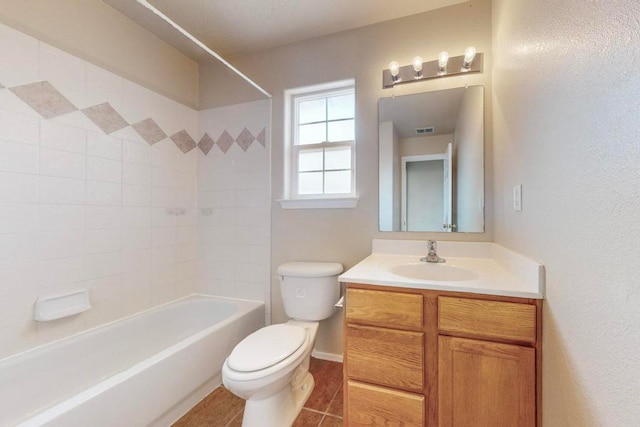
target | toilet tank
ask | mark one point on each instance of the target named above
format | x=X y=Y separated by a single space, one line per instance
x=309 y=289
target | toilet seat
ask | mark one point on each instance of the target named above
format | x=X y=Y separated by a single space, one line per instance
x=266 y=347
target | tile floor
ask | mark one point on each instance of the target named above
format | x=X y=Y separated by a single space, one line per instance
x=323 y=408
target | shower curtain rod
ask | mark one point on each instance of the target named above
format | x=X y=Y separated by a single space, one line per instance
x=188 y=35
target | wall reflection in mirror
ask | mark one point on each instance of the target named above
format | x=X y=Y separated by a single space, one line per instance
x=432 y=161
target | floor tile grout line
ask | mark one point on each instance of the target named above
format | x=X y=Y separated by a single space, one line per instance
x=333 y=398
x=235 y=416
x=315 y=410
x=323 y=413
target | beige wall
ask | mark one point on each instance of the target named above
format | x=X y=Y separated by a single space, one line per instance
x=566 y=112
x=93 y=31
x=344 y=235
x=221 y=87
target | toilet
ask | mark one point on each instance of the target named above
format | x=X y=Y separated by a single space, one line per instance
x=270 y=368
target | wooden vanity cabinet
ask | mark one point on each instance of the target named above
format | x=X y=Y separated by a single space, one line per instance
x=431 y=358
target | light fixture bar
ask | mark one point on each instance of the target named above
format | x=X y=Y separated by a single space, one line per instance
x=432 y=70
x=203 y=46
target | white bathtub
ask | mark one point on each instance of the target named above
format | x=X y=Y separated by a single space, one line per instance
x=147 y=369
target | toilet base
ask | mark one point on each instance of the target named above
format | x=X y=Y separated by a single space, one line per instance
x=280 y=409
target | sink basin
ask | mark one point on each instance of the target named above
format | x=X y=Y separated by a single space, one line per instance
x=436 y=272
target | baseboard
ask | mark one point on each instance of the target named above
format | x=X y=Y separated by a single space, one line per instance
x=327 y=356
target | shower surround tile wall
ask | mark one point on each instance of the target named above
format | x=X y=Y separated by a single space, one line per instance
x=86 y=199
x=234 y=202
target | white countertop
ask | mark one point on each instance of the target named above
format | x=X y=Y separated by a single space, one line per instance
x=500 y=271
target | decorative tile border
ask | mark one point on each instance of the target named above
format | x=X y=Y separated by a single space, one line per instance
x=149 y=130
x=184 y=141
x=261 y=138
x=44 y=98
x=225 y=141
x=245 y=139
x=47 y=101
x=206 y=144
x=105 y=117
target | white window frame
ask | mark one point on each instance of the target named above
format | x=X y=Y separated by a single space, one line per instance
x=293 y=200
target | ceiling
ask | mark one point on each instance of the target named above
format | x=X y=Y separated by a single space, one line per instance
x=438 y=109
x=233 y=27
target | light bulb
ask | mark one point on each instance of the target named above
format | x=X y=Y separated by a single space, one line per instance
x=394 y=69
x=417 y=64
x=443 y=58
x=469 y=54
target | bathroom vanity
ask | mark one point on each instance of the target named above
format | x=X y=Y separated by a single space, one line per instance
x=463 y=349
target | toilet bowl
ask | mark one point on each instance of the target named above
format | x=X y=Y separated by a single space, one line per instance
x=276 y=393
x=270 y=368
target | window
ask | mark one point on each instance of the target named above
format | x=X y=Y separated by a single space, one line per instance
x=320 y=142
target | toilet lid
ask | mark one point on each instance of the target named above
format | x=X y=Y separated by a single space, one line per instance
x=266 y=347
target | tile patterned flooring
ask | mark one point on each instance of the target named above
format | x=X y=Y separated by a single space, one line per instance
x=323 y=408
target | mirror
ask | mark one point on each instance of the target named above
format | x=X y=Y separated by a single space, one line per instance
x=432 y=161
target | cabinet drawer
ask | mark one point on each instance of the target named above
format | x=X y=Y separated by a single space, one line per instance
x=376 y=406
x=387 y=357
x=381 y=308
x=487 y=319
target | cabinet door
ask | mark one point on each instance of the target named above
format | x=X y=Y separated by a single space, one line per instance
x=368 y=405
x=485 y=384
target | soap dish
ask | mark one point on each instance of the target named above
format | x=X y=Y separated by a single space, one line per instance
x=59 y=306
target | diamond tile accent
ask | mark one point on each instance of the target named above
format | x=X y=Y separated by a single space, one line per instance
x=149 y=131
x=224 y=142
x=184 y=141
x=261 y=138
x=245 y=139
x=105 y=117
x=44 y=98
x=206 y=144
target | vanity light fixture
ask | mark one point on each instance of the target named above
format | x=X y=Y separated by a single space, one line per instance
x=417 y=67
x=444 y=66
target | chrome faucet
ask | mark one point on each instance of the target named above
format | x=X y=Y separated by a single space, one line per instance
x=432 y=256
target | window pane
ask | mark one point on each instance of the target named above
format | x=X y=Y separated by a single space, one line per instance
x=337 y=182
x=341 y=131
x=312 y=111
x=337 y=158
x=312 y=134
x=310 y=183
x=341 y=107
x=310 y=160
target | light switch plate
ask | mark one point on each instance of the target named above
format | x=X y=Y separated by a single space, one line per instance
x=517 y=198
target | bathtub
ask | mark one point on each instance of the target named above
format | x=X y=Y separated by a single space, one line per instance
x=147 y=369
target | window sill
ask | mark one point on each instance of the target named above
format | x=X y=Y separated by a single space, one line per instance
x=323 y=203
